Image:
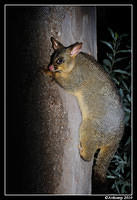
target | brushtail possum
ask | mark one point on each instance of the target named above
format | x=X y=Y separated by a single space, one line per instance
x=102 y=114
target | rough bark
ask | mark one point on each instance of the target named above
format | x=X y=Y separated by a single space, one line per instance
x=51 y=163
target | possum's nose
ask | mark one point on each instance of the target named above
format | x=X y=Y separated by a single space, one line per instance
x=51 y=67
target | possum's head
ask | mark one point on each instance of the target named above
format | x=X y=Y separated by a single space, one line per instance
x=63 y=58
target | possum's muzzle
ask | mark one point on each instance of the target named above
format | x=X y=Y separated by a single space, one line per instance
x=53 y=68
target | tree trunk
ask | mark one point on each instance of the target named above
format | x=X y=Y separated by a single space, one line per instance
x=50 y=162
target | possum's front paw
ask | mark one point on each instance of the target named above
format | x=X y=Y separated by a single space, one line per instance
x=83 y=153
x=46 y=72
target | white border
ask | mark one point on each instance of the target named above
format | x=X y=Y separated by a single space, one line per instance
x=72 y=5
x=4 y=100
x=132 y=171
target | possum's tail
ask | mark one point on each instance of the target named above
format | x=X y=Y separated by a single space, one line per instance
x=103 y=160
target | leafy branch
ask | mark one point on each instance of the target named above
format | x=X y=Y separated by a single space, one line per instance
x=118 y=64
x=120 y=74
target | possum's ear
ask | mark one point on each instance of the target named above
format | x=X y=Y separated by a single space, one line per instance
x=75 y=49
x=56 y=44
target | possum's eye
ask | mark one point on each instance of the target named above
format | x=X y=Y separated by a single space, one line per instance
x=60 y=61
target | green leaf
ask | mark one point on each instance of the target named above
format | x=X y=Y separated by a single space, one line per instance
x=108 y=172
x=123 y=35
x=107 y=62
x=121 y=71
x=113 y=186
x=126 y=101
x=117 y=44
x=111 y=32
x=128 y=97
x=118 y=170
x=109 y=55
x=128 y=141
x=117 y=157
x=105 y=68
x=125 y=85
x=123 y=189
x=115 y=172
x=128 y=67
x=126 y=119
x=121 y=92
x=108 y=44
x=117 y=188
x=127 y=110
x=116 y=36
x=124 y=51
x=128 y=174
x=122 y=169
x=128 y=46
x=115 y=80
x=111 y=177
x=119 y=59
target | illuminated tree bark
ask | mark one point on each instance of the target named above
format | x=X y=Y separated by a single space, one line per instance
x=50 y=161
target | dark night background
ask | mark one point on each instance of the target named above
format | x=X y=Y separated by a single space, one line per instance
x=118 y=18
